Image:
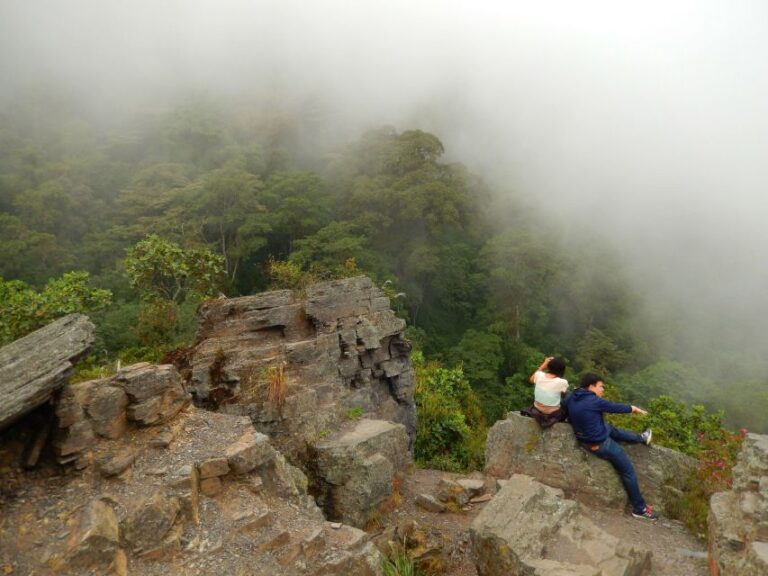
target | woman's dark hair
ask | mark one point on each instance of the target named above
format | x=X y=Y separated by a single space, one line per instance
x=589 y=379
x=556 y=366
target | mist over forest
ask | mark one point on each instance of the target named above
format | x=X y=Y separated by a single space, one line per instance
x=598 y=165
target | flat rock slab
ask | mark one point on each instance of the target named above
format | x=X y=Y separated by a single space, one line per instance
x=35 y=366
x=530 y=528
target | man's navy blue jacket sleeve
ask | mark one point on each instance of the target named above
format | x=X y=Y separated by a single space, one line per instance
x=613 y=407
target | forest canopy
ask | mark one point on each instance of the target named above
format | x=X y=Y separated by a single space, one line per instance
x=136 y=223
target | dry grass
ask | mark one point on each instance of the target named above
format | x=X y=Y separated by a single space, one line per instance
x=277 y=384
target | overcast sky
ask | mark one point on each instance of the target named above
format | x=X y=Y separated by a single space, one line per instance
x=647 y=120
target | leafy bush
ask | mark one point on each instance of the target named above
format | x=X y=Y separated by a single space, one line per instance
x=450 y=432
x=676 y=425
x=285 y=275
x=24 y=310
x=162 y=270
x=717 y=457
x=693 y=431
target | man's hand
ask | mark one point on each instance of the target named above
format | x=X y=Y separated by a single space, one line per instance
x=636 y=410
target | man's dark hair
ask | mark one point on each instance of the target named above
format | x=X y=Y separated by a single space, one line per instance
x=589 y=379
x=556 y=366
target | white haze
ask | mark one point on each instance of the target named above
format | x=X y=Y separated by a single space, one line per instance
x=646 y=122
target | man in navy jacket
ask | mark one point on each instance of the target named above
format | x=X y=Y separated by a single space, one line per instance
x=585 y=411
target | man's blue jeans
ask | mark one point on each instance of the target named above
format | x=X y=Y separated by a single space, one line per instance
x=614 y=453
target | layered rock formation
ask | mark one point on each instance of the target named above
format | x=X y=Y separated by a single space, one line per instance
x=339 y=348
x=303 y=368
x=529 y=528
x=169 y=488
x=33 y=368
x=738 y=518
x=142 y=394
x=552 y=456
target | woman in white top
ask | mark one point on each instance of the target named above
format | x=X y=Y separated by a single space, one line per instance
x=550 y=388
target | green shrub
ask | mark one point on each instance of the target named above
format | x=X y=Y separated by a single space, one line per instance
x=713 y=473
x=354 y=413
x=23 y=309
x=399 y=564
x=451 y=429
x=675 y=424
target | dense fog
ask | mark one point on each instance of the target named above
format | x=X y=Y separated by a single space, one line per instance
x=643 y=123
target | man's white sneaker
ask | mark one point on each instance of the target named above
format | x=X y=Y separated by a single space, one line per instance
x=646 y=436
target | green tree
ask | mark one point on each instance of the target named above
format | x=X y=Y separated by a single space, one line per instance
x=29 y=255
x=24 y=309
x=481 y=357
x=162 y=270
x=224 y=208
x=520 y=267
x=168 y=276
x=598 y=352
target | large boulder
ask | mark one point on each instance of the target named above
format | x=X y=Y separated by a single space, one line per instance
x=141 y=394
x=354 y=471
x=94 y=539
x=738 y=518
x=529 y=528
x=518 y=445
x=297 y=364
x=34 y=367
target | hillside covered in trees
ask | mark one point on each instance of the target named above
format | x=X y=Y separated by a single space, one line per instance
x=137 y=222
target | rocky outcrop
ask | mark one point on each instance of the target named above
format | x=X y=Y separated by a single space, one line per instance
x=298 y=365
x=304 y=368
x=142 y=394
x=323 y=380
x=34 y=367
x=192 y=492
x=354 y=472
x=529 y=528
x=552 y=456
x=738 y=518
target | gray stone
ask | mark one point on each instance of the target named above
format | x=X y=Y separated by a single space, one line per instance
x=146 y=412
x=530 y=528
x=74 y=440
x=142 y=381
x=450 y=491
x=213 y=467
x=36 y=366
x=737 y=518
x=252 y=450
x=151 y=521
x=94 y=540
x=368 y=335
x=211 y=486
x=106 y=410
x=330 y=342
x=356 y=469
x=518 y=445
x=472 y=485
x=114 y=464
x=429 y=503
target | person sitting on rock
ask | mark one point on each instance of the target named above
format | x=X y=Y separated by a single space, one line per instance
x=585 y=411
x=550 y=387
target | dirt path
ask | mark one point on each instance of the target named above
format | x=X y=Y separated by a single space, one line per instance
x=675 y=551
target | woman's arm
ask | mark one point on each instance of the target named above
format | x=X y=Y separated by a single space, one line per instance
x=540 y=368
